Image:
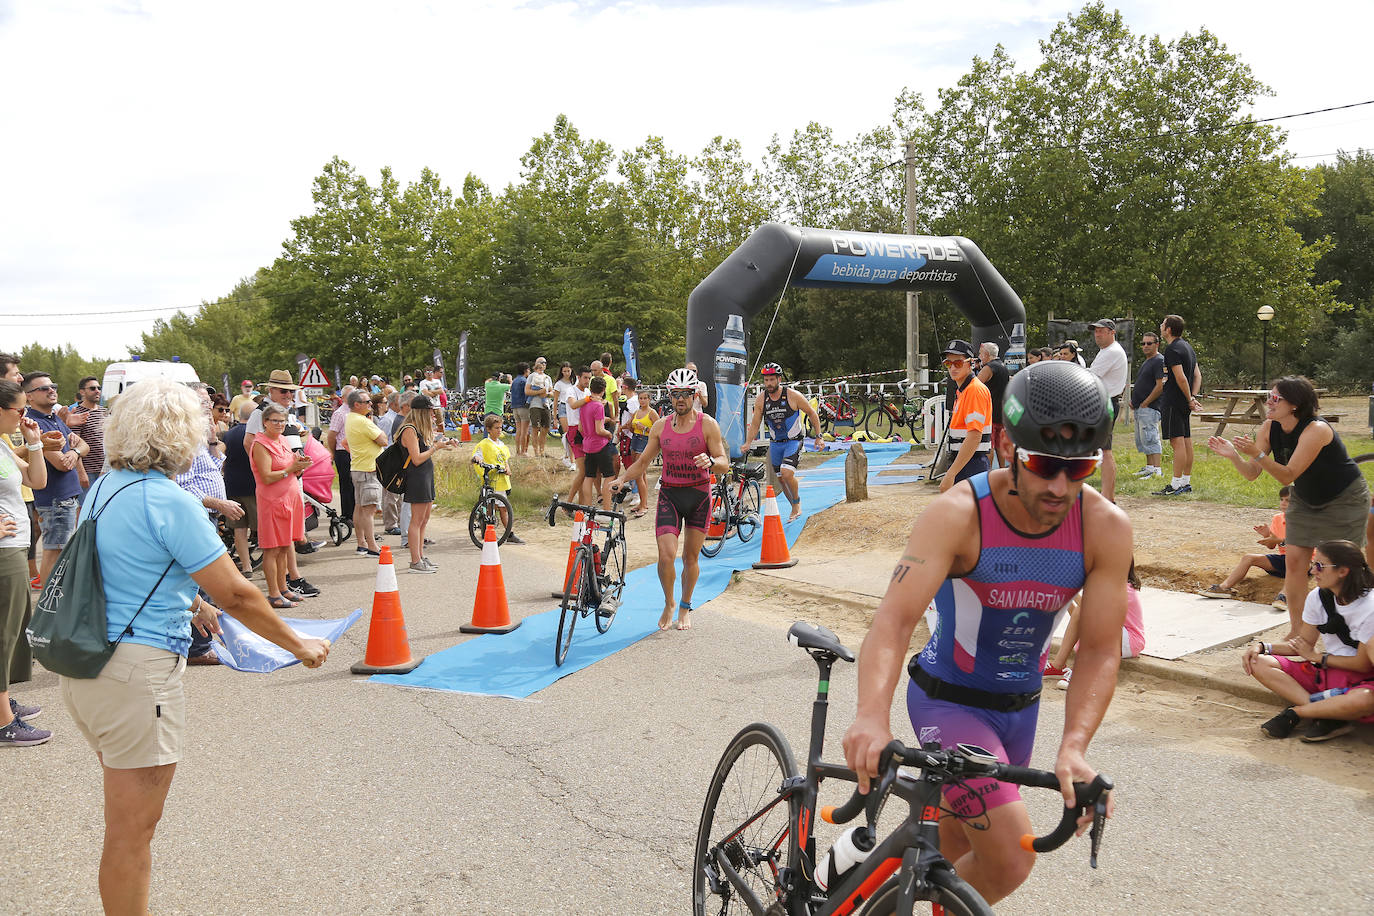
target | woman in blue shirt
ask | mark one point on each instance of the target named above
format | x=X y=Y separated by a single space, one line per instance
x=156 y=545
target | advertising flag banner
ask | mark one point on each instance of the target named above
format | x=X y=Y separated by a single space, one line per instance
x=463 y=363
x=631 y=350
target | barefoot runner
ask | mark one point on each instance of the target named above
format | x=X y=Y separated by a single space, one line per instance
x=783 y=414
x=1001 y=556
x=692 y=448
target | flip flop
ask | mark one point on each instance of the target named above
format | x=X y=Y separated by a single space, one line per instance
x=280 y=602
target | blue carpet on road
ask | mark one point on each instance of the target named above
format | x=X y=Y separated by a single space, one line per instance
x=519 y=663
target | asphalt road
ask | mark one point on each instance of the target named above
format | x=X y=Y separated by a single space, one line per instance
x=316 y=792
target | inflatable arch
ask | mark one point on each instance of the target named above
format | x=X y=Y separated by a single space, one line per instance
x=776 y=256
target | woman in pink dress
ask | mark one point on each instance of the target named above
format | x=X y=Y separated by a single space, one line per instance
x=281 y=514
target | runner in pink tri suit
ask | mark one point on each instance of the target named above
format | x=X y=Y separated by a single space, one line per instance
x=1000 y=555
x=692 y=448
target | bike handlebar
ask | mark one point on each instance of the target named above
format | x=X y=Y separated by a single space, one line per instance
x=958 y=763
x=618 y=497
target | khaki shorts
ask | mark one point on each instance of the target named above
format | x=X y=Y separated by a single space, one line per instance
x=367 y=488
x=134 y=713
x=249 y=518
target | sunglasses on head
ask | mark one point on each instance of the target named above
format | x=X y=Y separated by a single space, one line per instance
x=682 y=393
x=1049 y=466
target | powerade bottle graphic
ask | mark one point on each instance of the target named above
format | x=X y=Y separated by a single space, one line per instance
x=731 y=376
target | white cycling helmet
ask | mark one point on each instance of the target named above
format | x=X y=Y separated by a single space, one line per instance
x=682 y=378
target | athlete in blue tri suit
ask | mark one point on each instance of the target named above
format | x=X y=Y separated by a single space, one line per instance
x=782 y=409
x=1000 y=556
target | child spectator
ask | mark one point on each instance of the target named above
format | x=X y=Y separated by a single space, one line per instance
x=492 y=450
x=1275 y=564
x=1132 y=632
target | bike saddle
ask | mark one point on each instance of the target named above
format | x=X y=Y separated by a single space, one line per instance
x=751 y=471
x=814 y=636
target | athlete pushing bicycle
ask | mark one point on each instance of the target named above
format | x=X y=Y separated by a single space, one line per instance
x=783 y=412
x=1001 y=558
x=692 y=448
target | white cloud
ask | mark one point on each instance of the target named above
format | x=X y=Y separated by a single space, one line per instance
x=158 y=149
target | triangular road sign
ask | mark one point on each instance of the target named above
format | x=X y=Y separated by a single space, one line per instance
x=314 y=376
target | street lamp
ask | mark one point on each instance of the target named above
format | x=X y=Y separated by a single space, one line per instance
x=1265 y=315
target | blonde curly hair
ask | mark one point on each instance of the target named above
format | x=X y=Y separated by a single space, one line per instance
x=156 y=425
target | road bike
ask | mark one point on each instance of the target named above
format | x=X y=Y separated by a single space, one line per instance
x=597 y=579
x=840 y=409
x=736 y=506
x=887 y=412
x=755 y=851
x=492 y=508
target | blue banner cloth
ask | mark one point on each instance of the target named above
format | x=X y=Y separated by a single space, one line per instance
x=243 y=650
x=521 y=662
x=630 y=347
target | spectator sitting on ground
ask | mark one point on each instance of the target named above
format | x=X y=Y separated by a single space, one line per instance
x=1132 y=632
x=1271 y=536
x=1339 y=611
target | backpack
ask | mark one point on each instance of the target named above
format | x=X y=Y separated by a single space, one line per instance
x=393 y=464
x=1336 y=624
x=68 y=629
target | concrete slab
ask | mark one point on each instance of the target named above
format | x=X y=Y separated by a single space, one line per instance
x=863 y=574
x=1180 y=623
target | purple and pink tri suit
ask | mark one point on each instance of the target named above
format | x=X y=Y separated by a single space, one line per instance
x=684 y=495
x=990 y=642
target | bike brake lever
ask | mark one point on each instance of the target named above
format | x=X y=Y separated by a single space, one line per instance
x=1099 y=827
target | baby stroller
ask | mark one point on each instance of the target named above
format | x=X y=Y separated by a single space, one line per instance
x=317 y=486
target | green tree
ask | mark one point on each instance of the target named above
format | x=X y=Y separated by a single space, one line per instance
x=64 y=366
x=229 y=335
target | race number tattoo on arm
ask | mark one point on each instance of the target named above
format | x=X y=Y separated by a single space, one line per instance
x=899 y=574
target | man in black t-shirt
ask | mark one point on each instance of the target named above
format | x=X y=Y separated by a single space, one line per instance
x=994 y=374
x=1177 y=404
x=1149 y=386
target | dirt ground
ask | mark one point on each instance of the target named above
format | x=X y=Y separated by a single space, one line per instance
x=1178 y=546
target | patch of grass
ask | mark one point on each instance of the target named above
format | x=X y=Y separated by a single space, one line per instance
x=1214 y=479
x=456 y=485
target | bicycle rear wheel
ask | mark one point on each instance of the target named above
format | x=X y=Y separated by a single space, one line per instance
x=949 y=895
x=747 y=778
x=488 y=512
x=749 y=510
x=718 y=527
x=878 y=423
x=574 y=600
x=613 y=583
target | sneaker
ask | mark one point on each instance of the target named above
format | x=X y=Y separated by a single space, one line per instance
x=1280 y=604
x=23 y=712
x=302 y=587
x=1064 y=681
x=513 y=539
x=35 y=582
x=1145 y=472
x=1053 y=670
x=394 y=530
x=568 y=464
x=1216 y=591
x=423 y=567
x=1326 y=729
x=20 y=734
x=430 y=563
x=429 y=542
x=1167 y=491
x=364 y=552
x=1186 y=488
x=1282 y=725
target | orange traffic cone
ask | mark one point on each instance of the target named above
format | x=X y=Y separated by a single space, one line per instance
x=388 y=649
x=466 y=434
x=490 y=613
x=716 y=528
x=774 y=553
x=579 y=529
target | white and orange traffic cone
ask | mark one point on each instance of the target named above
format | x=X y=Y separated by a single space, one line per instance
x=579 y=528
x=490 y=612
x=388 y=648
x=773 y=554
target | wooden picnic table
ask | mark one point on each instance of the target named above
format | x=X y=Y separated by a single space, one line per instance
x=1235 y=398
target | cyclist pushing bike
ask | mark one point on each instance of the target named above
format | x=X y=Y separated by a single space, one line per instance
x=1001 y=557
x=782 y=409
x=692 y=448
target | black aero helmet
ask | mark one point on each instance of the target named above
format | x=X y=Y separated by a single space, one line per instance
x=1058 y=408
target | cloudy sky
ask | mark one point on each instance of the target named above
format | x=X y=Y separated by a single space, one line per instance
x=154 y=151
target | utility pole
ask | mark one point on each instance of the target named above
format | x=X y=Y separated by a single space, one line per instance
x=913 y=299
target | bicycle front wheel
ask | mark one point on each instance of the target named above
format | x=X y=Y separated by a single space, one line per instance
x=747 y=778
x=718 y=526
x=878 y=423
x=574 y=600
x=488 y=512
x=749 y=510
x=949 y=895
x=613 y=583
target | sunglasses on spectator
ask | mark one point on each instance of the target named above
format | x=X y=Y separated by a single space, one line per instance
x=1318 y=566
x=1273 y=399
x=1048 y=466
x=952 y=363
x=682 y=393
